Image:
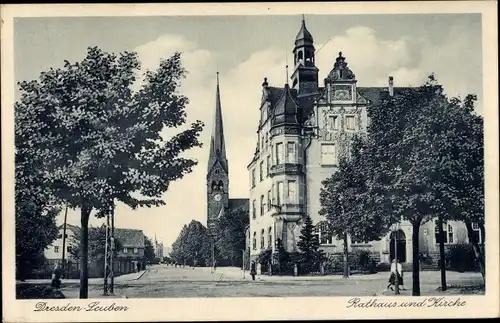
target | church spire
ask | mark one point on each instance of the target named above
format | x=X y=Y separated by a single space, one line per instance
x=217 y=145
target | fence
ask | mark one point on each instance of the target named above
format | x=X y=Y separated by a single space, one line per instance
x=72 y=268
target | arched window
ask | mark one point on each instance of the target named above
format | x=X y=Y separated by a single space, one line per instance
x=270 y=238
x=214 y=186
x=262 y=244
x=254 y=242
x=301 y=56
x=220 y=186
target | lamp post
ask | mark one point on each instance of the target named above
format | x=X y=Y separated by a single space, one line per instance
x=396 y=278
x=346 y=249
x=396 y=235
x=243 y=265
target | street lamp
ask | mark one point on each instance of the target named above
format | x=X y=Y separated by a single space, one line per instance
x=396 y=277
x=396 y=235
x=346 y=249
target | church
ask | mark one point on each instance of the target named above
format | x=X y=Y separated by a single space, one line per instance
x=303 y=130
x=218 y=201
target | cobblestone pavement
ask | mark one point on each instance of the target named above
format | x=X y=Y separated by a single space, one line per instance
x=163 y=281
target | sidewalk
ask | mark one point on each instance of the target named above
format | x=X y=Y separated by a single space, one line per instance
x=92 y=281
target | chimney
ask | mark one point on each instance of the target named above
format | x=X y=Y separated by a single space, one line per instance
x=391 y=86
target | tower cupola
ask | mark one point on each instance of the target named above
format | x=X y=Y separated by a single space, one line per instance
x=305 y=75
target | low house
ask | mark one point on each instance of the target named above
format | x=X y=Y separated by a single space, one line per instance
x=131 y=252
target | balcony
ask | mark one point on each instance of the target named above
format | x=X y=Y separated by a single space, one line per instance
x=290 y=211
x=289 y=169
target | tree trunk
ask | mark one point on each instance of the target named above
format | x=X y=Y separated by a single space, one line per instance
x=84 y=244
x=346 y=257
x=475 y=246
x=416 y=260
x=442 y=264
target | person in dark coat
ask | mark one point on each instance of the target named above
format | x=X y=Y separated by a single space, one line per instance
x=253 y=269
x=56 y=277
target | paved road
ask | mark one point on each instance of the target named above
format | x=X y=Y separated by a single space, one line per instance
x=163 y=281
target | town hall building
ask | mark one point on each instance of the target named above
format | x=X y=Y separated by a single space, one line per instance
x=303 y=130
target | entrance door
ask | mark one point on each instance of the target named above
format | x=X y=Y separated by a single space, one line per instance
x=399 y=238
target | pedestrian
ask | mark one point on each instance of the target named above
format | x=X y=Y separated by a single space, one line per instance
x=56 y=277
x=138 y=266
x=215 y=265
x=396 y=271
x=253 y=271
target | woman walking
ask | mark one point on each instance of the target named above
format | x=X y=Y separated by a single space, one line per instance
x=396 y=271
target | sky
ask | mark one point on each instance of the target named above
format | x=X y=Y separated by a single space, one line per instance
x=245 y=49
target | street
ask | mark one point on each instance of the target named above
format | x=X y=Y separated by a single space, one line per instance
x=162 y=281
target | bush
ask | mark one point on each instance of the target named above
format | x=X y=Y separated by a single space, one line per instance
x=461 y=258
x=361 y=260
x=33 y=291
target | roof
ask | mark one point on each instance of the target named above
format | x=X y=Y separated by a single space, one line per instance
x=375 y=94
x=238 y=203
x=73 y=228
x=303 y=35
x=130 y=237
x=286 y=109
x=217 y=145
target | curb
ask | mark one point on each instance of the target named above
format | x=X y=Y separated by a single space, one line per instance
x=142 y=274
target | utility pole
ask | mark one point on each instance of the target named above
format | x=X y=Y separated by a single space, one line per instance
x=396 y=279
x=106 y=257
x=63 y=262
x=112 y=243
x=109 y=253
x=442 y=266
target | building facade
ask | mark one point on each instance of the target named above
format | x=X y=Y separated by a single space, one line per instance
x=54 y=252
x=303 y=131
x=218 y=201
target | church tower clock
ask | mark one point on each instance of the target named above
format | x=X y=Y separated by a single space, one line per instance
x=218 y=170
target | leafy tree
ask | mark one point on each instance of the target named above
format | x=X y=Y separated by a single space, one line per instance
x=35 y=211
x=308 y=245
x=193 y=245
x=149 y=251
x=460 y=167
x=97 y=141
x=408 y=174
x=399 y=165
x=35 y=230
x=96 y=244
x=345 y=202
x=230 y=236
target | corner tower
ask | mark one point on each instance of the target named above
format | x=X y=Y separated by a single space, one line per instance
x=218 y=169
x=305 y=75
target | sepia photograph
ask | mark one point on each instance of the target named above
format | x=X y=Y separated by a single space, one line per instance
x=276 y=155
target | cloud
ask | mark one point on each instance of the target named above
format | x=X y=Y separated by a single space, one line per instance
x=371 y=57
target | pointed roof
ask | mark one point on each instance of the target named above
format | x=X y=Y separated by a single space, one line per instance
x=286 y=109
x=303 y=36
x=217 y=145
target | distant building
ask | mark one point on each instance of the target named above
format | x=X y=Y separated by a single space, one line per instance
x=303 y=130
x=132 y=250
x=130 y=253
x=158 y=247
x=54 y=252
